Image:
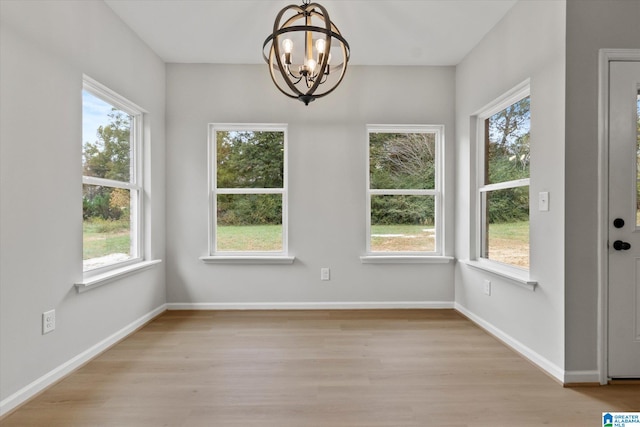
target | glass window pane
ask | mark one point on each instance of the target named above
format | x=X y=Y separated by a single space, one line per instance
x=507 y=228
x=106 y=136
x=106 y=226
x=402 y=223
x=248 y=159
x=249 y=222
x=507 y=143
x=402 y=160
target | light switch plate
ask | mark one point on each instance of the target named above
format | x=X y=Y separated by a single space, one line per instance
x=543 y=201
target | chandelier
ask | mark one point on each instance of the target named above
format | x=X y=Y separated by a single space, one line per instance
x=299 y=52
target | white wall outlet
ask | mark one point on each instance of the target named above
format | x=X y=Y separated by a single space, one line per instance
x=324 y=274
x=48 y=321
x=487 y=287
x=543 y=201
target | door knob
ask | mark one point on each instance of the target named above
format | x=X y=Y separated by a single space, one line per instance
x=619 y=245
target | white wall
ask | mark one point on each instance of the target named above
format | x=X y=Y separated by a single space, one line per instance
x=529 y=43
x=45 y=47
x=591 y=25
x=327 y=159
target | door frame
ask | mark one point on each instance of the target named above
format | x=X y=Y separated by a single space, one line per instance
x=604 y=58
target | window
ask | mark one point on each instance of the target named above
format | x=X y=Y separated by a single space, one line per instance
x=248 y=190
x=404 y=193
x=112 y=184
x=503 y=190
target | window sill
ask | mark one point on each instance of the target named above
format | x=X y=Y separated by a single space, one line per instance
x=102 y=279
x=405 y=259
x=515 y=275
x=248 y=259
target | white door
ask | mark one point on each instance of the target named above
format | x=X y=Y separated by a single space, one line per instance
x=624 y=220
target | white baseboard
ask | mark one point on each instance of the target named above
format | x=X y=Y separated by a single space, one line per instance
x=29 y=391
x=538 y=360
x=579 y=377
x=309 y=305
x=51 y=377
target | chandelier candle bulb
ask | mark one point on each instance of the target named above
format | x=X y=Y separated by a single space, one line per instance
x=311 y=65
x=287 y=45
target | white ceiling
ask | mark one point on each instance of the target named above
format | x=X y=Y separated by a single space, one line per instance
x=380 y=32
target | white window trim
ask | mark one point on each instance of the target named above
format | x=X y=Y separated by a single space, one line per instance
x=504 y=185
x=102 y=275
x=248 y=259
x=405 y=259
x=114 y=274
x=371 y=257
x=514 y=274
x=242 y=257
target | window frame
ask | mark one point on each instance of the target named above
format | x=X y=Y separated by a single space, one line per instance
x=520 y=274
x=437 y=255
x=244 y=257
x=134 y=185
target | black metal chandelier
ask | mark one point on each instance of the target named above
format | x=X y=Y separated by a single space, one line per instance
x=299 y=52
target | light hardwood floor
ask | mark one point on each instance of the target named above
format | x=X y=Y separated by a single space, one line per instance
x=316 y=368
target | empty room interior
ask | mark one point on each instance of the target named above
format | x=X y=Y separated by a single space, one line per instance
x=333 y=213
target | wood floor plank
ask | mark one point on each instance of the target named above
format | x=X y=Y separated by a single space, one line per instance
x=373 y=368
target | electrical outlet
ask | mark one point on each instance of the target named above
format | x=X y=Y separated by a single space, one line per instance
x=487 y=287
x=324 y=274
x=48 y=321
